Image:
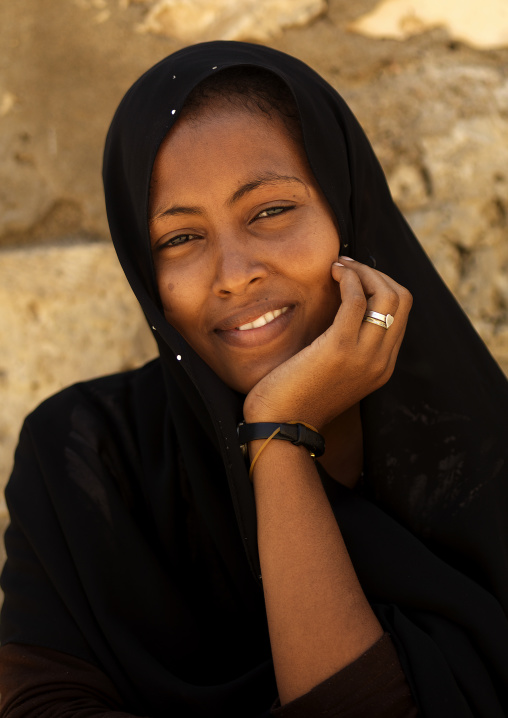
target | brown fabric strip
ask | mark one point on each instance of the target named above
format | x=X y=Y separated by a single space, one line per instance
x=374 y=685
x=42 y=683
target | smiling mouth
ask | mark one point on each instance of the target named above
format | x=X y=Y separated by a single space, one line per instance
x=263 y=319
x=262 y=330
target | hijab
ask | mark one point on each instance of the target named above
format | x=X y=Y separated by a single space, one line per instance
x=141 y=515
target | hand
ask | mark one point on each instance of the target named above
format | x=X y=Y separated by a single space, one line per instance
x=350 y=360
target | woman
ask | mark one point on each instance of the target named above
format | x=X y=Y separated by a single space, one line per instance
x=142 y=562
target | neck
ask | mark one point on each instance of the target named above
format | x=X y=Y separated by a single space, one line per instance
x=343 y=458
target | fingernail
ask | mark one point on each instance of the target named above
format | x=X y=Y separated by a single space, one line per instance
x=337 y=264
x=349 y=259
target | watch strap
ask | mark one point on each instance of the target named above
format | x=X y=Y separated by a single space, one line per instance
x=298 y=434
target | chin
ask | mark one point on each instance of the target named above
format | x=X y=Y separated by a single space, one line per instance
x=242 y=384
x=245 y=379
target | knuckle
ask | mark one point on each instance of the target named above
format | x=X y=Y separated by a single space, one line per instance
x=378 y=369
x=381 y=377
x=394 y=299
x=382 y=368
x=370 y=366
x=405 y=297
x=388 y=372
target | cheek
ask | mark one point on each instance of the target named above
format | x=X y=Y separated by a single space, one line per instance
x=312 y=261
x=178 y=297
x=316 y=243
x=324 y=290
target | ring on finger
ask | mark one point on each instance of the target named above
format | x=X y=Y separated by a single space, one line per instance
x=382 y=320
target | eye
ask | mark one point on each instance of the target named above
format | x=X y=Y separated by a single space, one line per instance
x=272 y=212
x=179 y=239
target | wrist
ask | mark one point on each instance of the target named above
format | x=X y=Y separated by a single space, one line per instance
x=258 y=435
x=259 y=415
x=279 y=462
x=281 y=446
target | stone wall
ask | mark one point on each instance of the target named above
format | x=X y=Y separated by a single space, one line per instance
x=435 y=108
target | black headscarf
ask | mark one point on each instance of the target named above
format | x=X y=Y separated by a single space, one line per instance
x=133 y=520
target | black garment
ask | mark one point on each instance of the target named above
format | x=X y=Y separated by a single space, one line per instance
x=117 y=473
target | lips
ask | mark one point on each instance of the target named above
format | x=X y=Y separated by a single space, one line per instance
x=256 y=325
x=252 y=313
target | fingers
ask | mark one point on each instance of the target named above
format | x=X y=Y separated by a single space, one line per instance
x=362 y=289
x=353 y=301
x=382 y=293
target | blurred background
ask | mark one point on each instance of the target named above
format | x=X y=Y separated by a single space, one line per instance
x=428 y=80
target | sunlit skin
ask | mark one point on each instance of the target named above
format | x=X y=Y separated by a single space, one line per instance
x=239 y=227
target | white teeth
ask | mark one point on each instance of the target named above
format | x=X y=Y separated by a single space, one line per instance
x=264 y=319
x=261 y=321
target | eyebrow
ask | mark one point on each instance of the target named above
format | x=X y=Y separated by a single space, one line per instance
x=271 y=178
x=268 y=179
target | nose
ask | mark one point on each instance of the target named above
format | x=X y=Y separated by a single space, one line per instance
x=237 y=267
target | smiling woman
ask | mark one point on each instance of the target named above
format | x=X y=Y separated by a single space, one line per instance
x=255 y=226
x=240 y=231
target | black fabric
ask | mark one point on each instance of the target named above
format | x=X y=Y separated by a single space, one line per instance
x=133 y=535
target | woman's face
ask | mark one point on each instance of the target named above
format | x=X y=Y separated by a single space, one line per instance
x=243 y=241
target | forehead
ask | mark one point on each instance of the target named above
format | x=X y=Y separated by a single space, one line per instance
x=226 y=141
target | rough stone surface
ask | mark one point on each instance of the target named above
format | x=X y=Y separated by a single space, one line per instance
x=483 y=26
x=192 y=20
x=435 y=109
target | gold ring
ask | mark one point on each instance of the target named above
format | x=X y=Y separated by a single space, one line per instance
x=387 y=319
x=375 y=321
